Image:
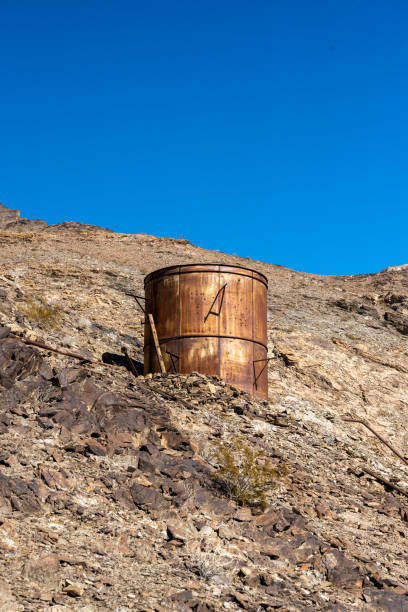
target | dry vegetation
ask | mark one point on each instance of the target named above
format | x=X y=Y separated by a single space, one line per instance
x=246 y=473
x=42 y=314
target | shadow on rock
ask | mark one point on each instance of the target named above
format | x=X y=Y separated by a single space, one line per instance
x=120 y=360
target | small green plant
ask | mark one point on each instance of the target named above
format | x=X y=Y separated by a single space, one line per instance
x=43 y=314
x=246 y=474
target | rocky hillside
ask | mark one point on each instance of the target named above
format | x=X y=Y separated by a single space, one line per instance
x=110 y=492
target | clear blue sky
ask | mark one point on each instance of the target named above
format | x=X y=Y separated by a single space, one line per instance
x=275 y=129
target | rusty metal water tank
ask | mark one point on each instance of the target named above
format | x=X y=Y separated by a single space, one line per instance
x=210 y=318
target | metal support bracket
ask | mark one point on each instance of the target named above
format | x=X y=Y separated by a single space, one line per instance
x=130 y=362
x=140 y=297
x=220 y=295
x=173 y=356
x=256 y=376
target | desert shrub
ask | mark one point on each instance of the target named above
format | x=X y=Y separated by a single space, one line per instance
x=207 y=565
x=43 y=314
x=245 y=473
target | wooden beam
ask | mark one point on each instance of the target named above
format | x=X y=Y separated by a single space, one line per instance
x=54 y=349
x=156 y=344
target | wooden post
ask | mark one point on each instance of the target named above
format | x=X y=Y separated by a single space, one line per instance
x=156 y=344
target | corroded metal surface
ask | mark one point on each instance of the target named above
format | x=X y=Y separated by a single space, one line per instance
x=210 y=318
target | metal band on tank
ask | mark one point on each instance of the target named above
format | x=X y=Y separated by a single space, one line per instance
x=179 y=270
x=209 y=272
x=164 y=340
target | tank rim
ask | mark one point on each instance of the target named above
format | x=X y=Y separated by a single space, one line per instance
x=161 y=270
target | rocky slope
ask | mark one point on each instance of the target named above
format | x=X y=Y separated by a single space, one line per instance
x=107 y=494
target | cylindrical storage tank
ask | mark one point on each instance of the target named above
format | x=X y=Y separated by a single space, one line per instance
x=210 y=318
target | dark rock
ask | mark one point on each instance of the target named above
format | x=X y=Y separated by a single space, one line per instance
x=249 y=576
x=154 y=438
x=170 y=469
x=64 y=418
x=17 y=361
x=355 y=306
x=69 y=375
x=45 y=371
x=279 y=420
x=39 y=489
x=207 y=502
x=56 y=479
x=147 y=463
x=203 y=607
x=95 y=448
x=392 y=299
x=398 y=321
x=48 y=412
x=5 y=419
x=302 y=550
x=115 y=416
x=176 y=532
x=147 y=498
x=45 y=423
x=243 y=601
x=149 y=448
x=120 y=443
x=386 y=601
x=4 y=332
x=176 y=441
x=270 y=549
x=19 y=495
x=48 y=393
x=123 y=496
x=29 y=390
x=341 y=571
x=276 y=522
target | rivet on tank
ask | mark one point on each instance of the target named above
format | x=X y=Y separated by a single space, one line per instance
x=209 y=318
